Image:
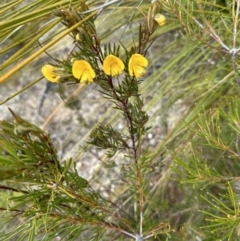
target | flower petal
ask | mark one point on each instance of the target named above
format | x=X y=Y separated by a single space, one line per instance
x=49 y=74
x=83 y=71
x=139 y=71
x=160 y=19
x=136 y=65
x=112 y=65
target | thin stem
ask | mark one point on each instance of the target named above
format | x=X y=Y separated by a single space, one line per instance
x=162 y=226
x=234 y=51
x=210 y=29
x=235 y=23
x=108 y=226
x=140 y=202
x=141 y=196
x=93 y=204
x=21 y=90
x=122 y=103
x=12 y=189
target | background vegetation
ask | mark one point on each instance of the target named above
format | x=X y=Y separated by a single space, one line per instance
x=190 y=161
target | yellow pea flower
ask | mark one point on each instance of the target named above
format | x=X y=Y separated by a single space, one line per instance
x=83 y=71
x=50 y=73
x=136 y=65
x=160 y=19
x=112 y=65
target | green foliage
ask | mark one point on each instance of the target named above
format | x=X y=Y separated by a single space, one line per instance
x=211 y=165
x=185 y=186
x=52 y=200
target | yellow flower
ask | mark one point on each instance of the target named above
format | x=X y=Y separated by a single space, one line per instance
x=49 y=72
x=83 y=71
x=160 y=19
x=136 y=65
x=112 y=65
